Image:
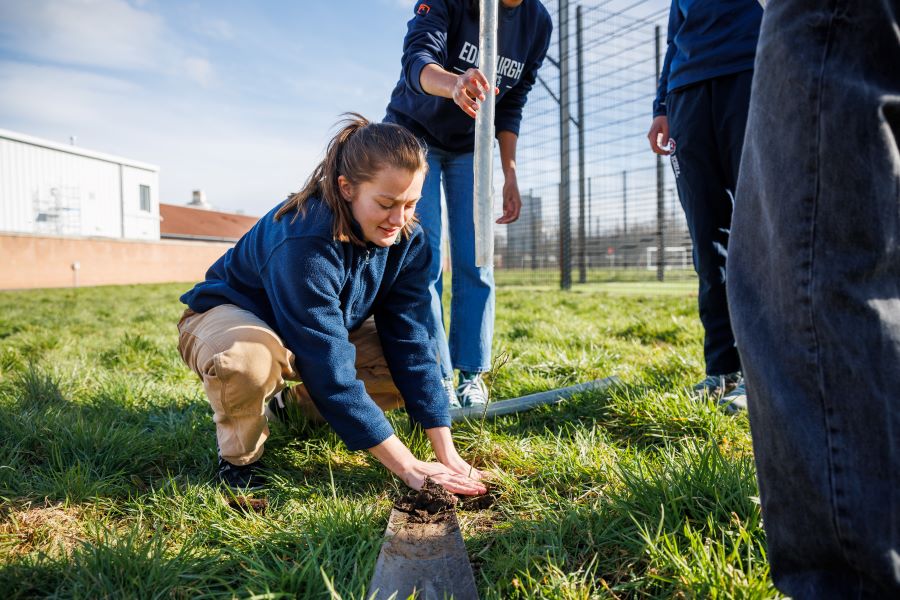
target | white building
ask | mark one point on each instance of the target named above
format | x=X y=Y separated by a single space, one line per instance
x=52 y=189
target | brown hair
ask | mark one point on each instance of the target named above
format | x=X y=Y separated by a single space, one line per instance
x=358 y=151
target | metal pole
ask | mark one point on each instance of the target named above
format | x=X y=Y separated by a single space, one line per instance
x=593 y=232
x=582 y=267
x=590 y=231
x=660 y=194
x=625 y=202
x=565 y=225
x=484 y=137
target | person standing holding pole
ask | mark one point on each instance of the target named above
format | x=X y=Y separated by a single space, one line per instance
x=699 y=117
x=437 y=98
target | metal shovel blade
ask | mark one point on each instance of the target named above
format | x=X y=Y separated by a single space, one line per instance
x=424 y=560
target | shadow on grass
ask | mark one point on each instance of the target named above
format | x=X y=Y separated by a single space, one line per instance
x=113 y=445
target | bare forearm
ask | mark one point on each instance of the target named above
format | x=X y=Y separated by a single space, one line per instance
x=507 y=141
x=394 y=455
x=437 y=81
x=442 y=443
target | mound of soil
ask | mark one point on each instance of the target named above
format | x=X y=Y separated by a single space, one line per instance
x=430 y=504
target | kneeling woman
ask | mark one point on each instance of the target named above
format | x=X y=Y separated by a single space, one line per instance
x=330 y=288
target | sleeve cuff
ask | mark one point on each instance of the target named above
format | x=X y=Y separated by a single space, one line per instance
x=371 y=438
x=659 y=108
x=415 y=73
x=506 y=125
x=432 y=421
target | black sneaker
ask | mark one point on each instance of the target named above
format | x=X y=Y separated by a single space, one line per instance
x=276 y=409
x=241 y=478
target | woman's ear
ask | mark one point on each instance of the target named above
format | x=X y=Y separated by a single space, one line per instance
x=346 y=188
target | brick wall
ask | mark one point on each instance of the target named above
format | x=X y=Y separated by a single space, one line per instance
x=29 y=261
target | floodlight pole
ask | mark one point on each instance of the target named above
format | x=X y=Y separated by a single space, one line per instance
x=582 y=259
x=484 y=137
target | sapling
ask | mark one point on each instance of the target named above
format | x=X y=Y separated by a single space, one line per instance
x=496 y=366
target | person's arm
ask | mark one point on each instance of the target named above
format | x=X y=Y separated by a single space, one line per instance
x=425 y=53
x=397 y=458
x=410 y=351
x=512 y=201
x=659 y=128
x=303 y=278
x=425 y=47
x=465 y=89
x=506 y=121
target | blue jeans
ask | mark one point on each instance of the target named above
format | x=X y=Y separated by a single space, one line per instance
x=707 y=122
x=815 y=294
x=472 y=297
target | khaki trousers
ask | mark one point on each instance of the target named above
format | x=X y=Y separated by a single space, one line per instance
x=242 y=363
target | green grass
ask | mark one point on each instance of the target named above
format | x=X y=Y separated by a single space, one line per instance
x=108 y=452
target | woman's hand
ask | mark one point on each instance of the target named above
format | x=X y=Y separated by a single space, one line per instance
x=446 y=453
x=394 y=455
x=450 y=480
x=466 y=90
x=470 y=89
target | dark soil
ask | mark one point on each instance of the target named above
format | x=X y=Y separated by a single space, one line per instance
x=245 y=504
x=429 y=505
x=475 y=503
x=432 y=502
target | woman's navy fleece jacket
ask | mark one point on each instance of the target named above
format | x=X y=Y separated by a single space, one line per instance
x=312 y=290
x=445 y=32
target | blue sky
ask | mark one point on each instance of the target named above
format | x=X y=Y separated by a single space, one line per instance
x=236 y=98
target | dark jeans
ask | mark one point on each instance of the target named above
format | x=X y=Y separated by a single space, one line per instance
x=707 y=122
x=814 y=282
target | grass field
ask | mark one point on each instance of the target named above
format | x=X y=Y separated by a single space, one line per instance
x=108 y=453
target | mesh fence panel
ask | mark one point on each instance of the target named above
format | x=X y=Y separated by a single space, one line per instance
x=622 y=206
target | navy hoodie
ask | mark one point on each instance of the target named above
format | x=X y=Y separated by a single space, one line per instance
x=313 y=290
x=445 y=32
x=707 y=39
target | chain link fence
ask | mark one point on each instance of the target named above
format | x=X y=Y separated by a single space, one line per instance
x=598 y=205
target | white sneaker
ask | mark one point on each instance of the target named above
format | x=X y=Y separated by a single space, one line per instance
x=736 y=400
x=472 y=391
x=450 y=389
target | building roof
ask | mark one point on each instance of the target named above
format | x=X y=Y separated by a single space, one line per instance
x=184 y=222
x=76 y=150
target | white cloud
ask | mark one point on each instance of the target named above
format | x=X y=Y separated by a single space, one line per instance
x=97 y=33
x=106 y=34
x=199 y=69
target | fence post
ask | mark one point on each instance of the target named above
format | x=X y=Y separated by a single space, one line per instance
x=582 y=250
x=660 y=193
x=565 y=224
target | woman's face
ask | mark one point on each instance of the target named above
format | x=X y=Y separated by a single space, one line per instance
x=385 y=204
